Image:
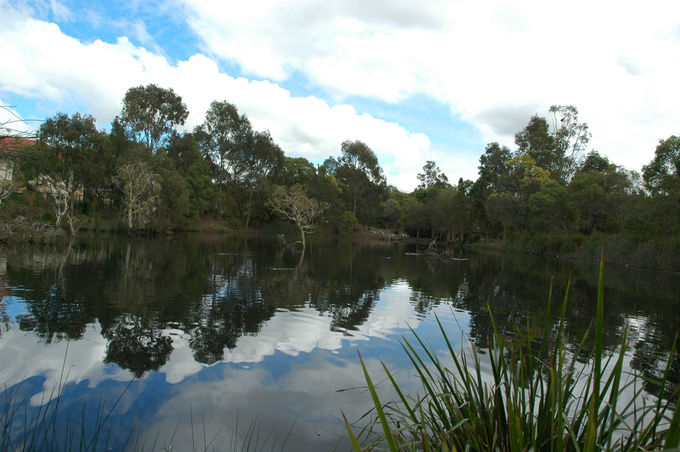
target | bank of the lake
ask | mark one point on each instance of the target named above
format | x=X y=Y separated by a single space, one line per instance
x=662 y=253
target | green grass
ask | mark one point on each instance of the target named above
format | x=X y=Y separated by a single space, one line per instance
x=538 y=397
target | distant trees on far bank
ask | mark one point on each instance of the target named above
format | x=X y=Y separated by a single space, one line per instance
x=149 y=175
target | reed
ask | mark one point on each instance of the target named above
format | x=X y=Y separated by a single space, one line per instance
x=538 y=397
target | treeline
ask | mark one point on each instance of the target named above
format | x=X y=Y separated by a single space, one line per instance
x=550 y=186
x=148 y=175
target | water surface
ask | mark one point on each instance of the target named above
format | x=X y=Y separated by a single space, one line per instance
x=199 y=338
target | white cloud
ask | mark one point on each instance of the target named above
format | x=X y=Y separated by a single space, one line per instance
x=493 y=63
x=289 y=332
x=301 y=331
x=11 y=123
x=60 y=11
x=39 y=61
x=60 y=362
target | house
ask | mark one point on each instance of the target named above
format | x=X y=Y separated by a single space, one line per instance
x=10 y=147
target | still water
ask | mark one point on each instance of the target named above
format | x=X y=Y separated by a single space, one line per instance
x=204 y=341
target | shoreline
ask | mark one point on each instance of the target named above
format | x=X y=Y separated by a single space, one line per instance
x=628 y=252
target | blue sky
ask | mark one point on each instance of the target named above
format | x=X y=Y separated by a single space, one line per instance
x=416 y=81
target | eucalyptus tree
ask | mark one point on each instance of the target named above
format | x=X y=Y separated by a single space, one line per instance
x=152 y=113
x=72 y=158
x=662 y=174
x=432 y=176
x=256 y=162
x=557 y=149
x=295 y=170
x=188 y=160
x=243 y=159
x=594 y=162
x=508 y=205
x=492 y=165
x=536 y=141
x=550 y=209
x=141 y=189
x=492 y=171
x=222 y=135
x=571 y=137
x=359 y=174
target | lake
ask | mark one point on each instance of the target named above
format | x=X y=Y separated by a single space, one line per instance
x=202 y=341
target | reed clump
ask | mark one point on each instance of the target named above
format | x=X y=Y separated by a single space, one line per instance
x=538 y=397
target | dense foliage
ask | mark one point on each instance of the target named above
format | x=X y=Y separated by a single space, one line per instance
x=549 y=195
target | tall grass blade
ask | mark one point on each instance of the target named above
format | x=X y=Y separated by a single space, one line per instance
x=673 y=434
x=355 y=443
x=378 y=407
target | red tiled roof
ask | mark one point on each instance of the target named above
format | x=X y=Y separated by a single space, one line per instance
x=10 y=145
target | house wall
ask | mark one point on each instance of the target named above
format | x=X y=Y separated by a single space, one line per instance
x=6 y=170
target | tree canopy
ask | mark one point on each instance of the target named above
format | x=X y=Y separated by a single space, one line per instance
x=151 y=113
x=151 y=175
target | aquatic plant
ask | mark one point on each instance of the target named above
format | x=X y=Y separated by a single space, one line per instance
x=538 y=397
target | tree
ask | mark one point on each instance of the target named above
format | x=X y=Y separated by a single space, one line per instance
x=221 y=136
x=509 y=205
x=391 y=214
x=558 y=150
x=570 y=137
x=71 y=155
x=61 y=191
x=492 y=165
x=296 y=170
x=662 y=175
x=502 y=207
x=7 y=187
x=173 y=204
x=358 y=173
x=151 y=113
x=185 y=153
x=536 y=141
x=140 y=192
x=70 y=144
x=492 y=171
x=550 y=209
x=294 y=205
x=414 y=218
x=450 y=213
x=432 y=176
x=594 y=162
x=255 y=162
x=601 y=198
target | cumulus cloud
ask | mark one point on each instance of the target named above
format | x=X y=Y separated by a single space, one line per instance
x=289 y=332
x=494 y=63
x=39 y=61
x=59 y=362
x=11 y=122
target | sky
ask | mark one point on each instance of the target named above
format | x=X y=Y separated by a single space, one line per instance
x=416 y=81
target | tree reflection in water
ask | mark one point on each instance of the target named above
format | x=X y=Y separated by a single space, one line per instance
x=213 y=291
x=136 y=344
